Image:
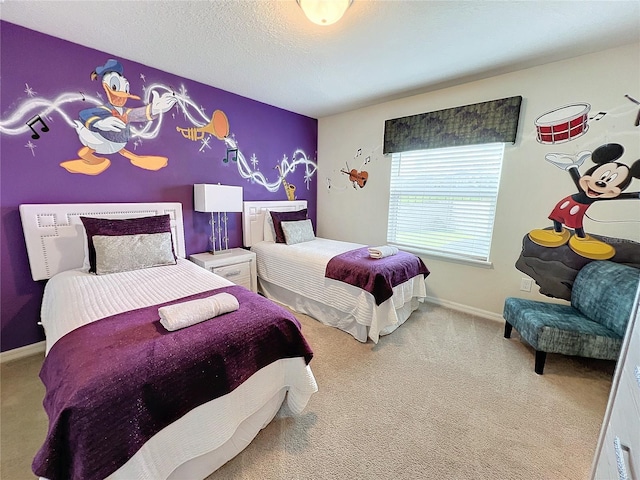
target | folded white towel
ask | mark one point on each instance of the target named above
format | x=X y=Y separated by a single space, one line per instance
x=185 y=314
x=382 y=251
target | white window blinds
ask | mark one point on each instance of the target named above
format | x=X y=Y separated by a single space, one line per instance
x=443 y=201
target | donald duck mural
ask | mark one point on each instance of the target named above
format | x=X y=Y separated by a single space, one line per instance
x=105 y=129
x=106 y=126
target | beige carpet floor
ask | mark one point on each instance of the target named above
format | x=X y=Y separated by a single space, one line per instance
x=443 y=397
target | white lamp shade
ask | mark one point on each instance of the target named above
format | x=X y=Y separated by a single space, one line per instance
x=217 y=198
x=324 y=12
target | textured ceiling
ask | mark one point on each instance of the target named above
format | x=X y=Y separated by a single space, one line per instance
x=381 y=49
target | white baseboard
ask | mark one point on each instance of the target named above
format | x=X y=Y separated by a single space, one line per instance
x=22 y=352
x=465 y=308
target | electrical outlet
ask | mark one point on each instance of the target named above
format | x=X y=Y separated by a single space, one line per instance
x=525 y=284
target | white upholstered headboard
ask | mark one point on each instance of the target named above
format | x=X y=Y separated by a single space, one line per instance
x=55 y=236
x=253 y=217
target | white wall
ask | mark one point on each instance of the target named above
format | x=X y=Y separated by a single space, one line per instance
x=530 y=186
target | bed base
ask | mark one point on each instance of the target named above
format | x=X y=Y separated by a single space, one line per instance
x=331 y=316
x=202 y=466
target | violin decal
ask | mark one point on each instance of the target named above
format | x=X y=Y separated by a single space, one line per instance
x=356 y=177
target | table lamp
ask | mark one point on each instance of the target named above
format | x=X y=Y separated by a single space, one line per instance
x=218 y=199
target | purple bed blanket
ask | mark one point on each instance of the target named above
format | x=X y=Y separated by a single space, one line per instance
x=377 y=276
x=114 y=383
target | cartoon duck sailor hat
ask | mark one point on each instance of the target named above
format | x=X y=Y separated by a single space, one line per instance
x=111 y=66
x=114 y=83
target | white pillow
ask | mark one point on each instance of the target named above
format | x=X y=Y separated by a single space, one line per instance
x=269 y=232
x=298 y=231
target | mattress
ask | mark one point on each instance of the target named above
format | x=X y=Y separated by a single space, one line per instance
x=212 y=433
x=299 y=270
x=74 y=298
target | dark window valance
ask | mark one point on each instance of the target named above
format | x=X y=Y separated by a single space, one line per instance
x=486 y=122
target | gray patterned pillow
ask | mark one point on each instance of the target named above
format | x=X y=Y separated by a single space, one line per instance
x=123 y=253
x=124 y=226
x=297 y=232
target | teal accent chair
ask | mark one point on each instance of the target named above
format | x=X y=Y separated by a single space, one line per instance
x=593 y=325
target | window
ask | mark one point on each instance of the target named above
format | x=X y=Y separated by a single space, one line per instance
x=443 y=201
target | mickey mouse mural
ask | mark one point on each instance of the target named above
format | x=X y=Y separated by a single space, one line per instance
x=554 y=255
x=606 y=180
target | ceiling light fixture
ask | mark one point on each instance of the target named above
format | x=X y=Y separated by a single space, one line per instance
x=324 y=12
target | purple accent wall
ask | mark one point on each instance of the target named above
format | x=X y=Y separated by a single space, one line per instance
x=38 y=68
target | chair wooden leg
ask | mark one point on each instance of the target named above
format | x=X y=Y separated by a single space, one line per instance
x=507 y=329
x=540 y=359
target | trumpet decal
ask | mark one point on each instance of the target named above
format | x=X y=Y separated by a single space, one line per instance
x=218 y=127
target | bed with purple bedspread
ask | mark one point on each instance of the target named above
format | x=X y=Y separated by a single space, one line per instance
x=113 y=384
x=296 y=275
x=377 y=276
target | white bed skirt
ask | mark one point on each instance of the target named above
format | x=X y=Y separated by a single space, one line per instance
x=383 y=320
x=212 y=434
x=217 y=431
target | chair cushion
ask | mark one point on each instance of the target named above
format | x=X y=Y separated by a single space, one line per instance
x=557 y=328
x=604 y=291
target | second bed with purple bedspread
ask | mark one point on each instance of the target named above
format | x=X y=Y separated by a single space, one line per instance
x=114 y=383
x=377 y=276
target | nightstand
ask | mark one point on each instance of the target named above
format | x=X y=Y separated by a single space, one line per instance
x=236 y=265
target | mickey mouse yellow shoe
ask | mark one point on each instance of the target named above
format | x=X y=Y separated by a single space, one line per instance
x=549 y=238
x=589 y=247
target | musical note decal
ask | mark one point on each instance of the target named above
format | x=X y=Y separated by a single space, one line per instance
x=234 y=155
x=598 y=116
x=30 y=124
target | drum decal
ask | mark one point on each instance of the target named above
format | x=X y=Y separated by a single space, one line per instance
x=563 y=124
